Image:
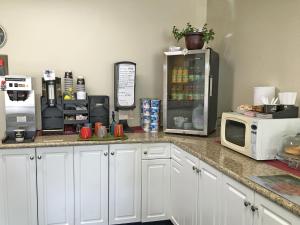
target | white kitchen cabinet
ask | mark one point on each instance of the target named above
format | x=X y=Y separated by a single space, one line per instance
x=18 y=202
x=209 y=199
x=125 y=183
x=268 y=213
x=184 y=187
x=91 y=184
x=155 y=189
x=236 y=203
x=177 y=187
x=190 y=189
x=55 y=186
x=156 y=151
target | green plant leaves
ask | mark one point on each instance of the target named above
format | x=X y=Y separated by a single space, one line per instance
x=208 y=34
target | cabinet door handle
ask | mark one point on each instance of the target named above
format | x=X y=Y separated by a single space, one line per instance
x=145 y=152
x=31 y=157
x=105 y=153
x=198 y=170
x=246 y=203
x=112 y=153
x=194 y=168
x=39 y=157
x=254 y=208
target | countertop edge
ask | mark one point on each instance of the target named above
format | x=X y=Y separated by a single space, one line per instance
x=281 y=201
x=286 y=204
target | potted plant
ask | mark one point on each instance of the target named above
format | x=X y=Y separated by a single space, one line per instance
x=194 y=38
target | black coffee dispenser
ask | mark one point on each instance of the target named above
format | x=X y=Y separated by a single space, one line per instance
x=99 y=109
x=52 y=106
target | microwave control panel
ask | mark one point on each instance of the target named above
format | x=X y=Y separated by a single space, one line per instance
x=253 y=138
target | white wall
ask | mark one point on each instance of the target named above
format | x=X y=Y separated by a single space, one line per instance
x=259 y=44
x=88 y=36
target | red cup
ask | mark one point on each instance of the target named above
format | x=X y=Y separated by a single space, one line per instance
x=85 y=132
x=118 y=131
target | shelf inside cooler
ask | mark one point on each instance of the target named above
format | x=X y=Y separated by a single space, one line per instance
x=199 y=81
x=175 y=104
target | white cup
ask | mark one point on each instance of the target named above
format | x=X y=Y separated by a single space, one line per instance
x=81 y=95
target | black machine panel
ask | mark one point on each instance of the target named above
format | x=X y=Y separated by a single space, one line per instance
x=99 y=109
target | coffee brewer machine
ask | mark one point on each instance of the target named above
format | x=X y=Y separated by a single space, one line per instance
x=19 y=106
x=52 y=106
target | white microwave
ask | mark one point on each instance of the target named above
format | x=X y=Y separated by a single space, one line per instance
x=260 y=139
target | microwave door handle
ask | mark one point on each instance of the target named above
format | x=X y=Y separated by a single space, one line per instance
x=211 y=80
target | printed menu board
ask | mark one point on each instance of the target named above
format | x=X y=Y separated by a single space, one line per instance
x=125 y=73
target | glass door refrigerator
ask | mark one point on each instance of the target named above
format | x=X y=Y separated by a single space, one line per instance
x=190 y=92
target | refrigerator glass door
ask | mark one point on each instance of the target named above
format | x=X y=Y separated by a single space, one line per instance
x=186 y=93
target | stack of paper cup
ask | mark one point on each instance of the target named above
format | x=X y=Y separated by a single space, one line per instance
x=263 y=92
x=155 y=110
x=145 y=114
x=68 y=80
x=150 y=110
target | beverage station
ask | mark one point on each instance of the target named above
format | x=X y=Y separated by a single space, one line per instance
x=100 y=141
x=65 y=106
x=62 y=111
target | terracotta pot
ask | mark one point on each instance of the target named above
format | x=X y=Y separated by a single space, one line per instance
x=118 y=131
x=194 y=40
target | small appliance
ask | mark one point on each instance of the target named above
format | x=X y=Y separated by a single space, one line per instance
x=19 y=106
x=52 y=106
x=99 y=109
x=258 y=138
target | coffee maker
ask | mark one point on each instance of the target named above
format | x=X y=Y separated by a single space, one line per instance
x=19 y=106
x=52 y=106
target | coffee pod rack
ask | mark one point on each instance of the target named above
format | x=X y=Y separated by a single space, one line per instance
x=282 y=111
x=73 y=110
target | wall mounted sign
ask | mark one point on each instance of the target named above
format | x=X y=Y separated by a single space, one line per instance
x=124 y=78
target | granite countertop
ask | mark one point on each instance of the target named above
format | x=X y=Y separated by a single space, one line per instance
x=232 y=164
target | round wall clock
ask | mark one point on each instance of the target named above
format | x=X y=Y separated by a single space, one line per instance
x=3 y=37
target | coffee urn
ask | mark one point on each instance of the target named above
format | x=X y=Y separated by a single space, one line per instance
x=19 y=106
x=52 y=106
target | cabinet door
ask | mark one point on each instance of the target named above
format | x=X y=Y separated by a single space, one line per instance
x=209 y=195
x=156 y=151
x=271 y=214
x=177 y=187
x=55 y=186
x=190 y=189
x=125 y=183
x=18 y=202
x=91 y=184
x=236 y=203
x=155 y=189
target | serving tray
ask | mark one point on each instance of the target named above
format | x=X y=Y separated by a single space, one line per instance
x=106 y=138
